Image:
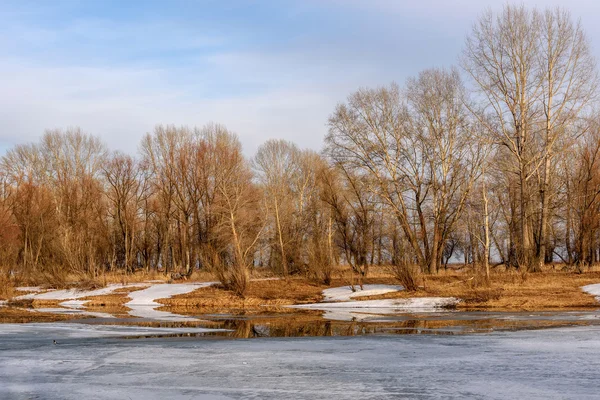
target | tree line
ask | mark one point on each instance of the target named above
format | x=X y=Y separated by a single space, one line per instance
x=496 y=161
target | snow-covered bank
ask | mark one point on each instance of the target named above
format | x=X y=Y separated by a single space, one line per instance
x=345 y=293
x=29 y=289
x=593 y=289
x=73 y=294
x=70 y=311
x=354 y=310
x=414 y=303
x=144 y=303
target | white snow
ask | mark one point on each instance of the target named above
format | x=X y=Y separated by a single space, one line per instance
x=593 y=289
x=72 y=294
x=70 y=311
x=338 y=305
x=420 y=303
x=76 y=304
x=29 y=289
x=357 y=310
x=345 y=293
x=143 y=303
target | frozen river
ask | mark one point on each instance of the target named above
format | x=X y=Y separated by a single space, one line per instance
x=103 y=362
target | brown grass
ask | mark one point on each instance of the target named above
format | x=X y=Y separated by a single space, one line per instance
x=510 y=290
x=550 y=290
x=7 y=289
x=260 y=293
x=116 y=299
x=553 y=289
x=16 y=315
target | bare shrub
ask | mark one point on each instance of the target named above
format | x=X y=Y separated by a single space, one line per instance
x=232 y=276
x=482 y=295
x=320 y=267
x=6 y=287
x=407 y=274
x=89 y=284
x=479 y=279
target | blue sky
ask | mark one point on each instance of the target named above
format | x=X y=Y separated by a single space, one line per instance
x=265 y=69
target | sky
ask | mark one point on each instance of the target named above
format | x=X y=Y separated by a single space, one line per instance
x=265 y=69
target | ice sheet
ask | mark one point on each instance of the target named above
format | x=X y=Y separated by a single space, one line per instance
x=539 y=364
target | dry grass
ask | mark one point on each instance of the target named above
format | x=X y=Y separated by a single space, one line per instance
x=260 y=293
x=116 y=299
x=509 y=290
x=7 y=289
x=17 y=315
x=553 y=289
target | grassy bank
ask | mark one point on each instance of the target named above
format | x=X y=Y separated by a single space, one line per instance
x=550 y=290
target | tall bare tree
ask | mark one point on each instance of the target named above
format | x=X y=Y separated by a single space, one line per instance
x=535 y=75
x=419 y=151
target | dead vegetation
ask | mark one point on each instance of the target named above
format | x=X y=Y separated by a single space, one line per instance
x=508 y=290
x=19 y=315
x=553 y=289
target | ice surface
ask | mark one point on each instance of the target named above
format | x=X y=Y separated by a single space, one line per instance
x=143 y=303
x=88 y=364
x=72 y=294
x=345 y=293
x=61 y=330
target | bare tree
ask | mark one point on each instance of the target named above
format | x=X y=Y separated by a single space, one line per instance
x=419 y=151
x=535 y=75
x=276 y=163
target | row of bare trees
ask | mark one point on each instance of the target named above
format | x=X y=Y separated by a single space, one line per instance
x=501 y=167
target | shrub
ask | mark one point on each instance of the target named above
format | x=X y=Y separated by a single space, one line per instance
x=407 y=274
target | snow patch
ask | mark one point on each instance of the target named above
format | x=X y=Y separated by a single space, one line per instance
x=29 y=289
x=593 y=289
x=75 y=304
x=345 y=293
x=358 y=310
x=421 y=303
x=143 y=303
x=68 y=311
x=72 y=294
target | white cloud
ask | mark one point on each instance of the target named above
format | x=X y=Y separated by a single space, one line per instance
x=122 y=78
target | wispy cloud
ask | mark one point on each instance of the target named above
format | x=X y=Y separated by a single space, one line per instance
x=265 y=69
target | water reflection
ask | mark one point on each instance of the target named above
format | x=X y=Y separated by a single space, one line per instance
x=300 y=326
x=257 y=323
